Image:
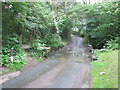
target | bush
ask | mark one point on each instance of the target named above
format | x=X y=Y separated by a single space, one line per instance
x=101 y=23
x=38 y=46
x=19 y=59
x=19 y=54
x=112 y=44
x=37 y=49
x=54 y=41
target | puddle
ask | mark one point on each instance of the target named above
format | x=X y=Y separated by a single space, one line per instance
x=77 y=57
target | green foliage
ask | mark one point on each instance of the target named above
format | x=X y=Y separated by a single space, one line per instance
x=107 y=62
x=102 y=23
x=25 y=19
x=37 y=45
x=66 y=28
x=19 y=59
x=38 y=23
x=54 y=41
x=99 y=21
x=29 y=21
x=18 y=62
x=112 y=44
x=19 y=54
x=81 y=33
x=37 y=49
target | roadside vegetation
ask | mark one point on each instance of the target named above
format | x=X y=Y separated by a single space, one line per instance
x=105 y=69
x=45 y=26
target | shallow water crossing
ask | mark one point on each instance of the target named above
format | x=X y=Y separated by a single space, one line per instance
x=66 y=68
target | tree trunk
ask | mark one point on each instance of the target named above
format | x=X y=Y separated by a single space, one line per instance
x=54 y=9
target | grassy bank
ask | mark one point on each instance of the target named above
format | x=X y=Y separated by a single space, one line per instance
x=105 y=69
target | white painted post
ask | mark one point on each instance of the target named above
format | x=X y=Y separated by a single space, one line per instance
x=12 y=59
x=11 y=55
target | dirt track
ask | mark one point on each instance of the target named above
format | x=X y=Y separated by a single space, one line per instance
x=67 y=68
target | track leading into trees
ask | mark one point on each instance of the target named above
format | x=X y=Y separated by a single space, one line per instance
x=66 y=68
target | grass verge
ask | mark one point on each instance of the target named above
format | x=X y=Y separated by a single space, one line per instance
x=105 y=69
